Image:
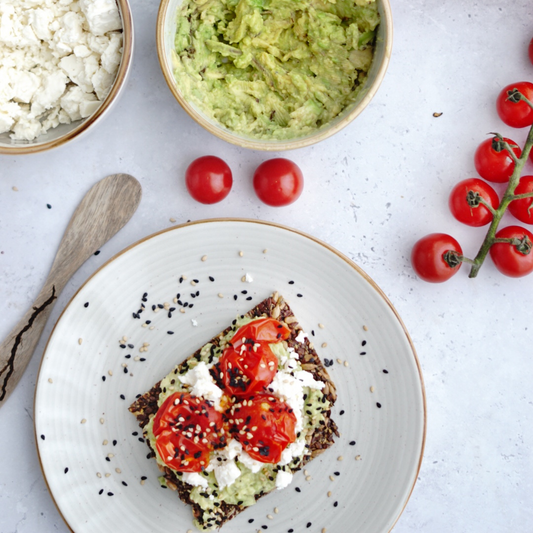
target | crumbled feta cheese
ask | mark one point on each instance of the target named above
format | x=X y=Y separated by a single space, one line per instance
x=194 y=322
x=301 y=336
x=202 y=383
x=283 y=479
x=295 y=449
x=248 y=278
x=195 y=479
x=250 y=462
x=47 y=49
x=226 y=474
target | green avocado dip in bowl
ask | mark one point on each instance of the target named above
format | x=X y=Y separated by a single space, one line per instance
x=274 y=74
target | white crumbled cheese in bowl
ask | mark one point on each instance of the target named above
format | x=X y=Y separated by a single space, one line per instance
x=58 y=62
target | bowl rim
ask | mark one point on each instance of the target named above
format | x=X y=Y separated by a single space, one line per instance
x=122 y=73
x=274 y=145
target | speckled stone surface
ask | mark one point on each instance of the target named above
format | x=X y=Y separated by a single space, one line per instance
x=371 y=191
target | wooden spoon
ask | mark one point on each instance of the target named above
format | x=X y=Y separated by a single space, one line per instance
x=103 y=211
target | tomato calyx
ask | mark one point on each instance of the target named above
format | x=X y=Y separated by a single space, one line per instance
x=523 y=245
x=499 y=144
x=452 y=258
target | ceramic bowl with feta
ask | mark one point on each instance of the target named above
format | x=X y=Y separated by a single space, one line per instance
x=270 y=75
x=62 y=66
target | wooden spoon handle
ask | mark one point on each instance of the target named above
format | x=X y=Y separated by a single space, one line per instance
x=102 y=212
x=16 y=350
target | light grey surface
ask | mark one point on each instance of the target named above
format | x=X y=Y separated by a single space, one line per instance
x=370 y=191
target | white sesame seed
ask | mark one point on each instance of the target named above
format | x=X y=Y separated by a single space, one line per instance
x=80 y=340
x=346 y=364
x=357 y=457
x=107 y=475
x=175 y=300
x=118 y=470
x=220 y=295
x=172 y=220
x=105 y=442
x=83 y=420
x=142 y=483
x=365 y=328
x=270 y=517
x=50 y=380
x=329 y=494
x=110 y=372
x=265 y=250
x=306 y=472
x=372 y=389
x=308 y=478
x=324 y=345
x=102 y=420
x=124 y=365
x=324 y=530
x=14 y=188
x=204 y=257
x=110 y=455
x=183 y=276
x=182 y=310
x=144 y=325
x=340 y=458
x=98 y=474
x=321 y=326
x=151 y=328
x=332 y=478
x=241 y=253
x=339 y=361
x=136 y=358
x=276 y=510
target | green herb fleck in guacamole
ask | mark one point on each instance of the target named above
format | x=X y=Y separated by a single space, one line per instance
x=274 y=69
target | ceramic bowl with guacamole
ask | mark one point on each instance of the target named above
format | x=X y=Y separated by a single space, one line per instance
x=274 y=74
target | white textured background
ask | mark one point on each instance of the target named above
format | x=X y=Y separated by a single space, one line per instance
x=370 y=191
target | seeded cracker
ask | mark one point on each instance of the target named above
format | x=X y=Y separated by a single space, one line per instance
x=318 y=438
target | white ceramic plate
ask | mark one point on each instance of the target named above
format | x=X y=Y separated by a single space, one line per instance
x=87 y=440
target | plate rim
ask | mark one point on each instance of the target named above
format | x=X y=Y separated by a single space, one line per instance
x=260 y=222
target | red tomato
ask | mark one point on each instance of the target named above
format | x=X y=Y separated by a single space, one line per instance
x=522 y=209
x=248 y=365
x=493 y=161
x=465 y=203
x=531 y=51
x=208 y=179
x=514 y=112
x=186 y=429
x=513 y=259
x=436 y=257
x=278 y=182
x=264 y=425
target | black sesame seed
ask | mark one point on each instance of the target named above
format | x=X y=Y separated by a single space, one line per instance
x=141 y=439
x=108 y=459
x=144 y=478
x=378 y=404
x=86 y=304
x=128 y=356
x=362 y=353
x=291 y=282
x=97 y=252
x=309 y=524
x=123 y=345
x=103 y=378
x=122 y=397
x=299 y=295
x=124 y=483
x=125 y=370
x=142 y=359
x=100 y=491
x=352 y=443
x=297 y=489
x=110 y=494
x=249 y=298
x=264 y=527
x=290 y=530
x=114 y=443
x=49 y=206
x=385 y=371
x=251 y=520
x=135 y=433
x=363 y=343
x=335 y=504
x=235 y=296
x=341 y=412
x=337 y=473
x=66 y=470
x=211 y=278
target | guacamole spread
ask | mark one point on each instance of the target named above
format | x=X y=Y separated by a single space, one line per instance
x=273 y=69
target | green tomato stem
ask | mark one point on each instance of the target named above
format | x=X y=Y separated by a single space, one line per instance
x=508 y=197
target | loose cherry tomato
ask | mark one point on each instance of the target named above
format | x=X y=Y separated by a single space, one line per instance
x=436 y=257
x=523 y=209
x=186 y=429
x=531 y=51
x=493 y=162
x=513 y=259
x=465 y=203
x=513 y=111
x=264 y=425
x=278 y=182
x=208 y=179
x=248 y=365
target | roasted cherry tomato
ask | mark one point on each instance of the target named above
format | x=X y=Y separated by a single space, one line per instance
x=436 y=257
x=278 y=182
x=513 y=111
x=208 y=179
x=248 y=365
x=264 y=425
x=465 y=202
x=186 y=429
x=523 y=209
x=493 y=162
x=514 y=259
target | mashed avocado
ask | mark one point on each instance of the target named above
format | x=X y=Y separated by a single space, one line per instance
x=273 y=69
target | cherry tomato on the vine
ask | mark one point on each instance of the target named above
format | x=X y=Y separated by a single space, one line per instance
x=436 y=257
x=208 y=179
x=278 y=182
x=523 y=209
x=465 y=202
x=513 y=259
x=513 y=111
x=493 y=162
